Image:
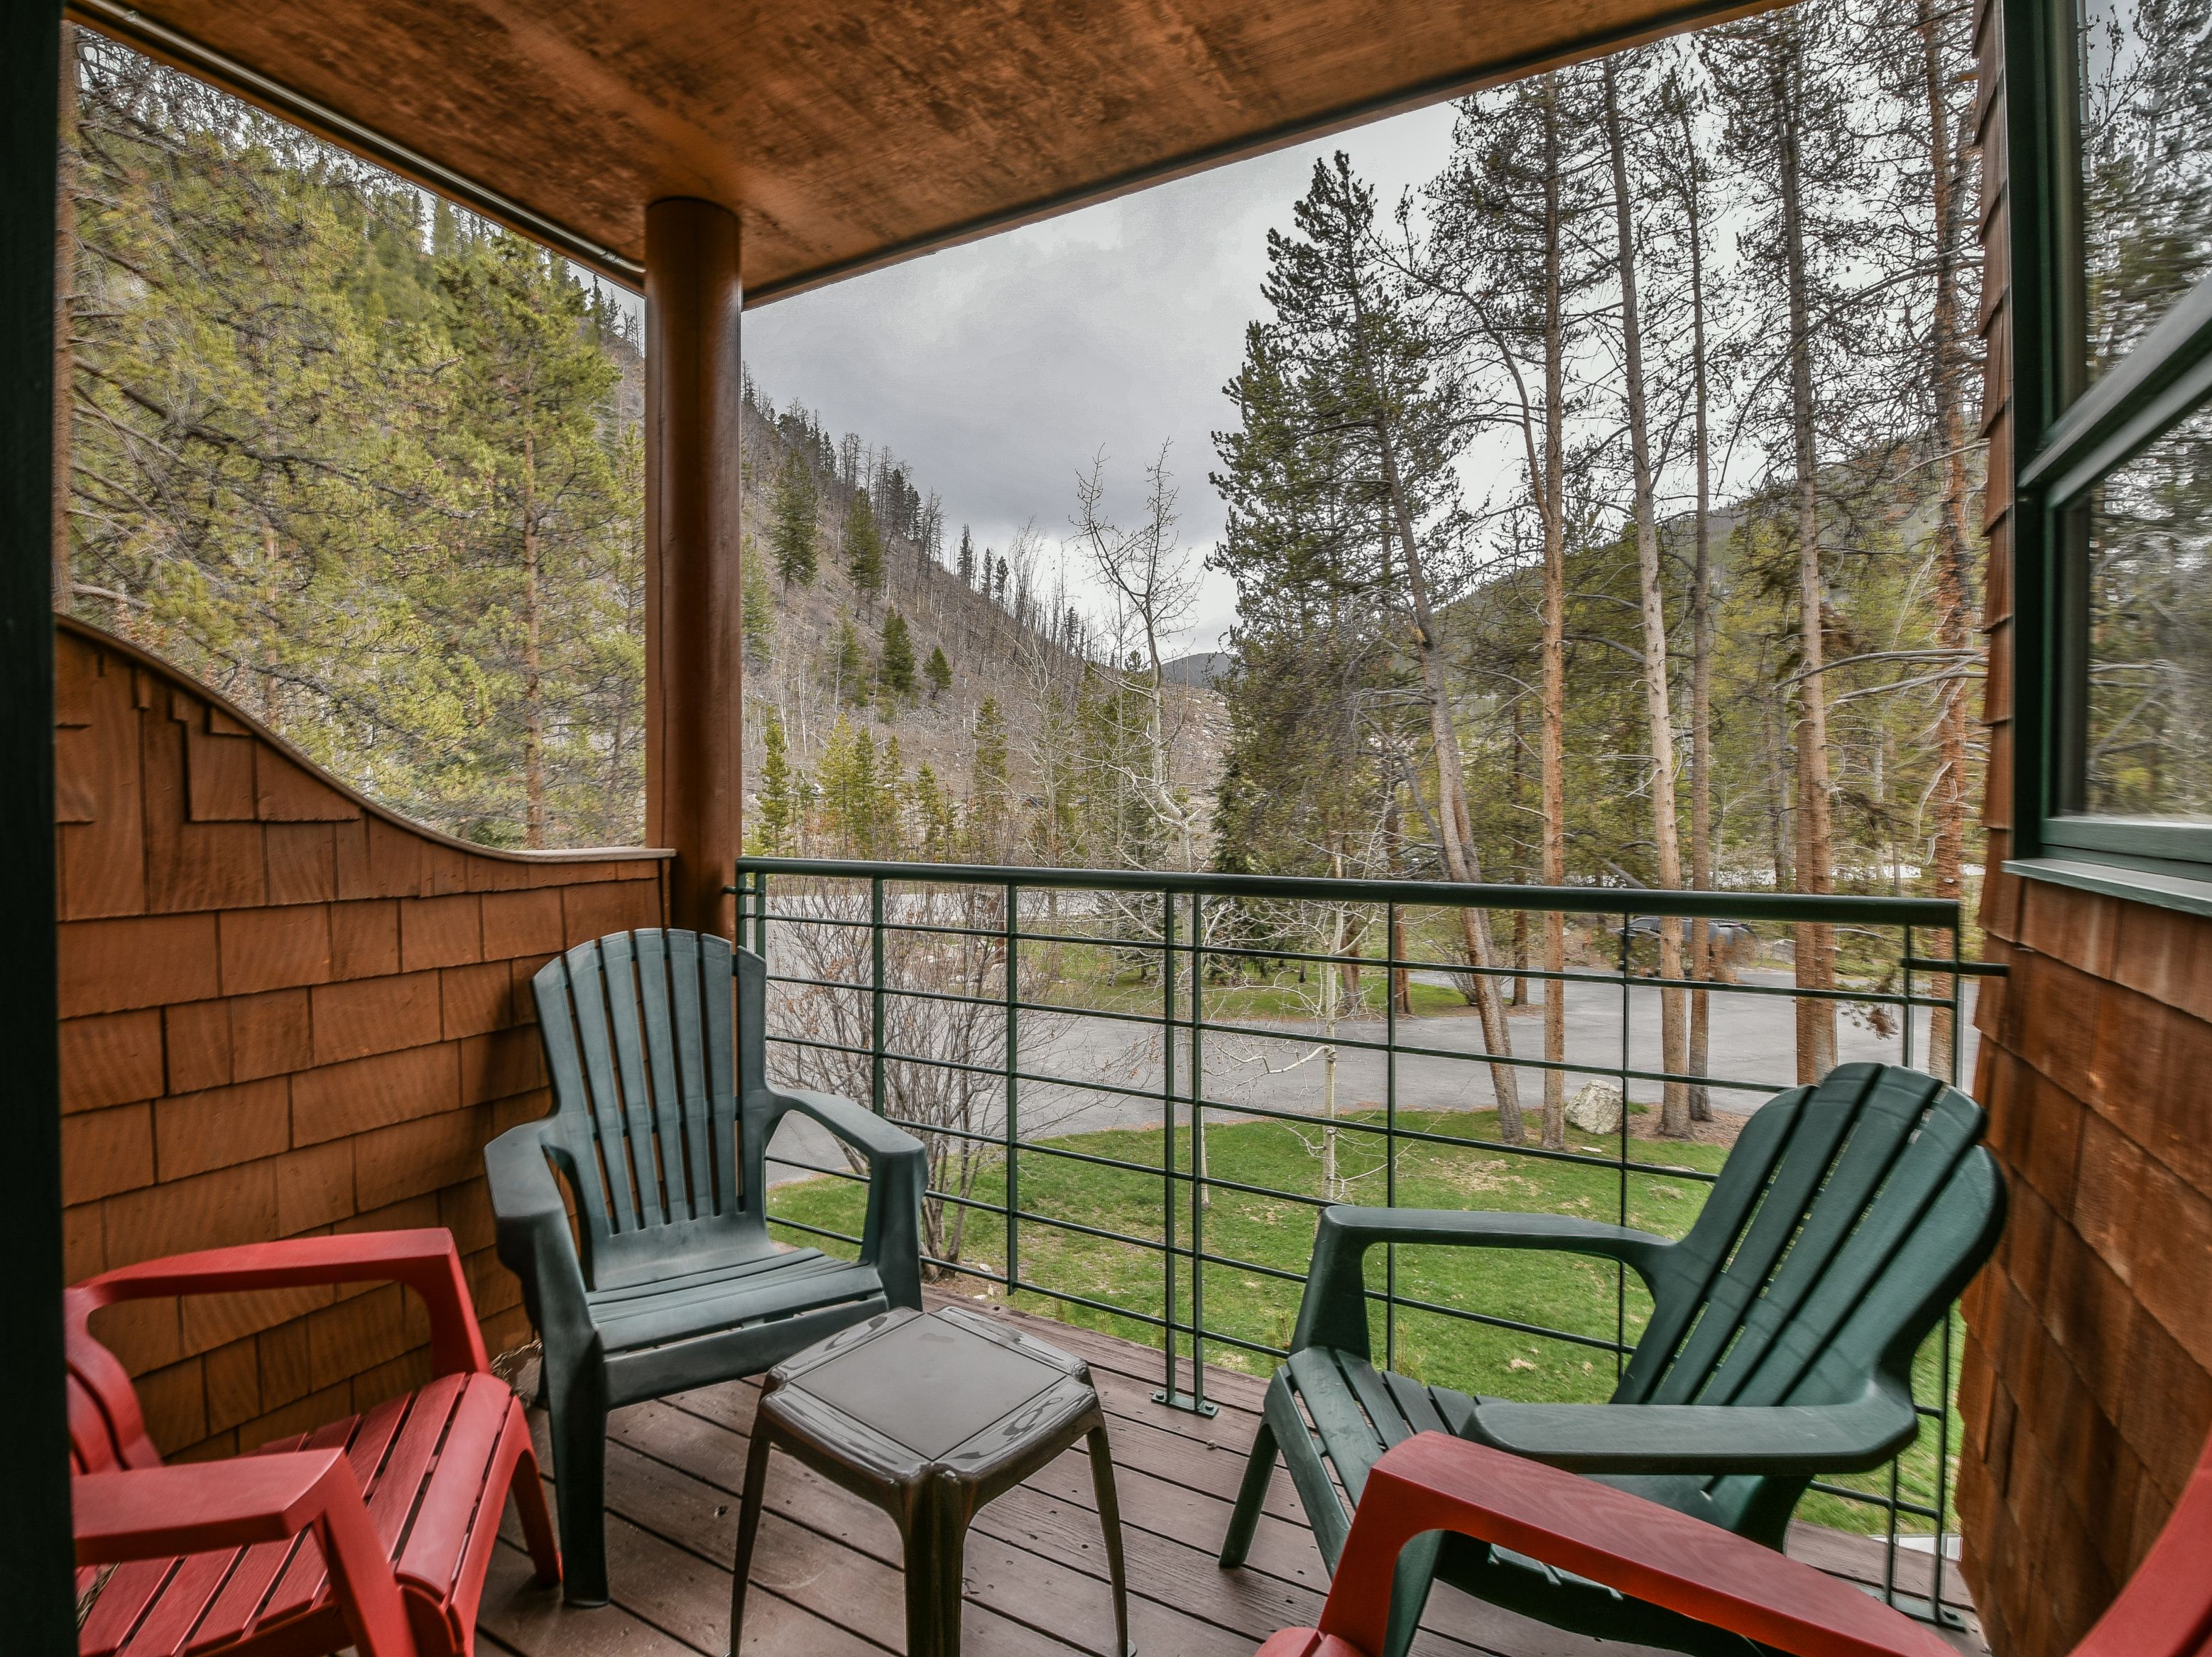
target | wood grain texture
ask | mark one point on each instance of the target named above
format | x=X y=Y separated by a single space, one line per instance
x=826 y=1572
x=284 y=1010
x=850 y=134
x=2086 y=1381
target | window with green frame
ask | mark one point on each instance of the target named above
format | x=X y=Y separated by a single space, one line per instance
x=2111 y=199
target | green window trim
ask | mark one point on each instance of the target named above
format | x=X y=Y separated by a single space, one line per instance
x=2138 y=883
x=2068 y=434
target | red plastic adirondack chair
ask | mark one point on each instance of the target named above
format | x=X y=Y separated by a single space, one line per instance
x=1434 y=1482
x=374 y=1532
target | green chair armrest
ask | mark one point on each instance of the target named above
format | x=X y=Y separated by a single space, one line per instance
x=861 y=1129
x=1333 y=1311
x=890 y=1237
x=532 y=1232
x=1784 y=1441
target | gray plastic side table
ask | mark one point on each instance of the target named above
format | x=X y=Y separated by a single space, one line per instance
x=930 y=1418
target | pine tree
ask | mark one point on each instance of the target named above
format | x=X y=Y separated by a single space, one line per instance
x=791 y=541
x=859 y=808
x=937 y=825
x=938 y=671
x=1369 y=368
x=967 y=558
x=779 y=813
x=895 y=662
x=528 y=389
x=864 y=547
x=848 y=663
x=989 y=807
x=759 y=599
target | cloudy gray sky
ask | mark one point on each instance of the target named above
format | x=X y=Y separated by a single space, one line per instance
x=1000 y=368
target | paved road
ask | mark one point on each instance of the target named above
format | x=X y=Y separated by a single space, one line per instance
x=1753 y=1042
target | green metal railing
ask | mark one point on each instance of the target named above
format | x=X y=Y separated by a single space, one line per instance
x=1189 y=927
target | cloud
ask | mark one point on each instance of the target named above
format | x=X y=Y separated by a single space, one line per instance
x=1000 y=368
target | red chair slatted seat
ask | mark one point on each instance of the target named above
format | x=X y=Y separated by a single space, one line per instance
x=432 y=1469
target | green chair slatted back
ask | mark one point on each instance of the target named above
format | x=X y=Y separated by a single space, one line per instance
x=1814 y=1245
x=1832 y=1242
x=655 y=1130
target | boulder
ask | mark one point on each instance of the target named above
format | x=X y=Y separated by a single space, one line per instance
x=1595 y=1108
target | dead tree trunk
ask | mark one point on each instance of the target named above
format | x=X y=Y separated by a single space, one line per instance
x=1815 y=942
x=1463 y=863
x=1552 y=737
x=1954 y=540
x=1701 y=625
x=1659 y=718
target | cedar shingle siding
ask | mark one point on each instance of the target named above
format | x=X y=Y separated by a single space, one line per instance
x=2087 y=1387
x=282 y=1013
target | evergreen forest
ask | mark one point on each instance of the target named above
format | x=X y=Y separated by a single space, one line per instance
x=1605 y=510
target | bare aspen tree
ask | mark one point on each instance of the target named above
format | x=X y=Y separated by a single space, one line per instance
x=1153 y=588
x=1815 y=942
x=1779 y=110
x=1949 y=354
x=1659 y=719
x=1501 y=251
x=1552 y=724
x=1689 y=173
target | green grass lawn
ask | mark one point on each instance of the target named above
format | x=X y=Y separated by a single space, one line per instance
x=1576 y=1295
x=1089 y=978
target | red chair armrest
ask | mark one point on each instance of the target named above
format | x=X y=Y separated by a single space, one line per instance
x=153 y=1513
x=425 y=1261
x=1434 y=1482
x=1306 y=1642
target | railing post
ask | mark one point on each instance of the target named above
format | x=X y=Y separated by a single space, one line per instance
x=1168 y=1393
x=1619 y=1269
x=1942 y=1483
x=1391 y=1127
x=876 y=1009
x=1957 y=1001
x=1909 y=1010
x=1958 y=1045
x=759 y=913
x=1198 y=1156
x=1013 y=1096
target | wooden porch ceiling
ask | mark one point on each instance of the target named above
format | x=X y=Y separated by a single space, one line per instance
x=848 y=133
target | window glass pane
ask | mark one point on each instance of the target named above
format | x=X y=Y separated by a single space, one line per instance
x=2149 y=729
x=2146 y=163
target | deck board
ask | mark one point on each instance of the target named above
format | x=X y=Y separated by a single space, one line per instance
x=826 y=1575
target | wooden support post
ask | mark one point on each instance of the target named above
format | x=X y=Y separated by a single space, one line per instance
x=694 y=660
x=35 y=1552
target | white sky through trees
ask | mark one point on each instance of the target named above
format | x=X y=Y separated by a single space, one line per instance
x=998 y=369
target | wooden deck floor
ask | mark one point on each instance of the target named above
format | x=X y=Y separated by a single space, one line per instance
x=826 y=1576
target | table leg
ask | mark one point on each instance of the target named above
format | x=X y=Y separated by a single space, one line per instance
x=749 y=1515
x=1109 y=1520
x=936 y=1558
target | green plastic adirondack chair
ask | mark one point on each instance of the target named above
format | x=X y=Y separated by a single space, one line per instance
x=1846 y=1221
x=661 y=1120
